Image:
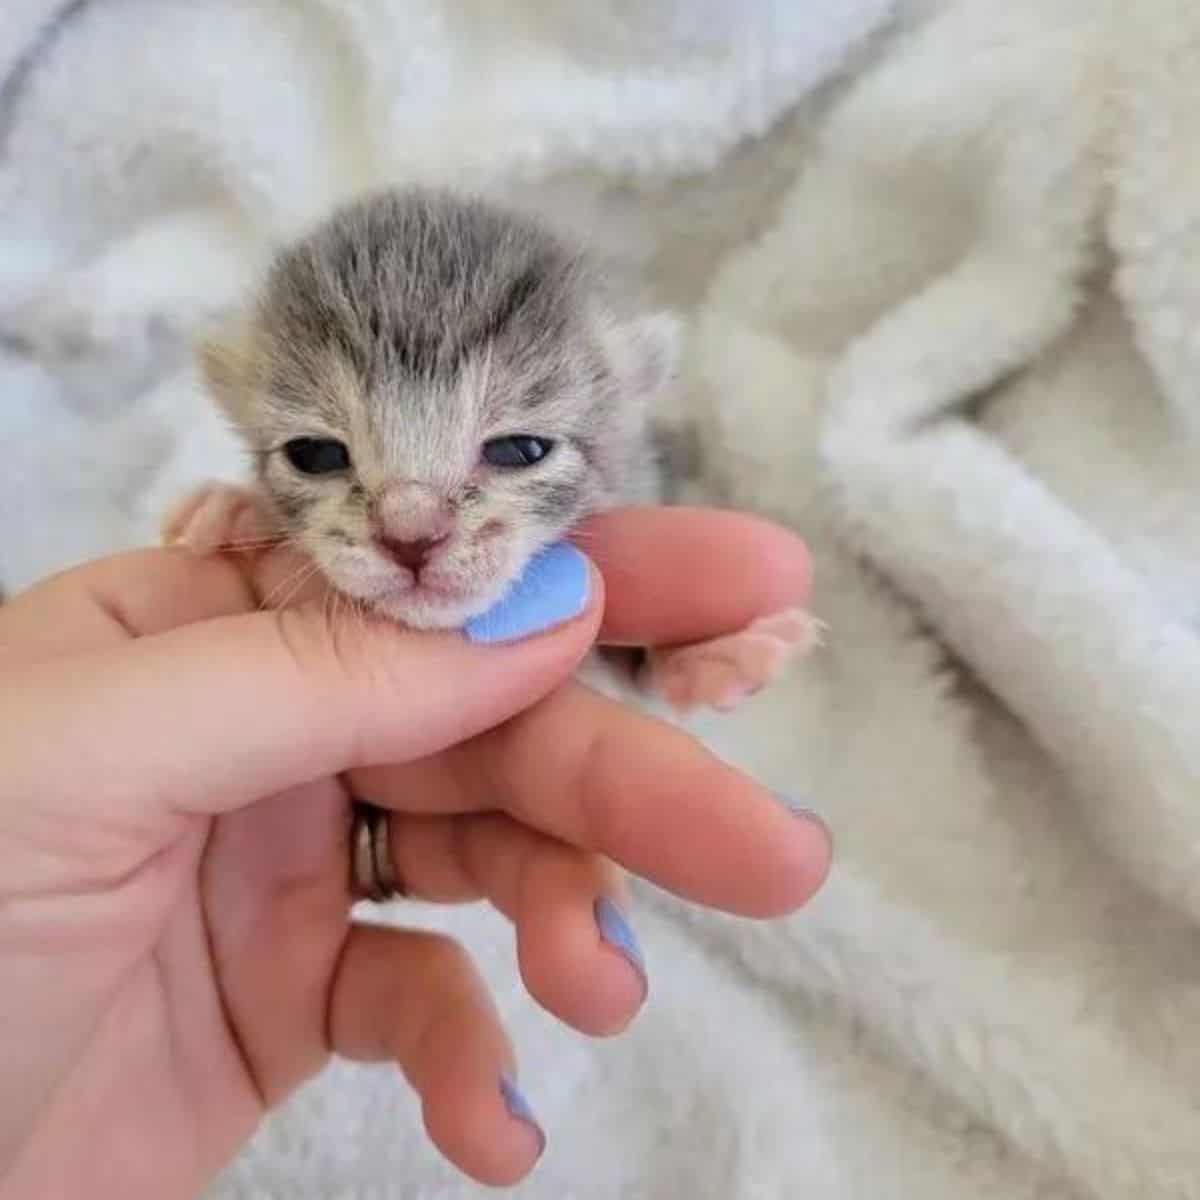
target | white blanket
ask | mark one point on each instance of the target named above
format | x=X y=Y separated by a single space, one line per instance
x=945 y=313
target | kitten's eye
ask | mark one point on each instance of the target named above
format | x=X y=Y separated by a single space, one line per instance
x=317 y=456
x=519 y=451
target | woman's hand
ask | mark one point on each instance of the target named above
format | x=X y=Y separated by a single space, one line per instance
x=175 y=936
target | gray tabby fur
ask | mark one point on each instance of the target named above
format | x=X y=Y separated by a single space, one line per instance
x=414 y=326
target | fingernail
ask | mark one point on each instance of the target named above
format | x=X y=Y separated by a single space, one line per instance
x=616 y=932
x=804 y=814
x=795 y=807
x=552 y=589
x=518 y=1109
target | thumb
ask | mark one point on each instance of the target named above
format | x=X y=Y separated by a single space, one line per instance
x=207 y=717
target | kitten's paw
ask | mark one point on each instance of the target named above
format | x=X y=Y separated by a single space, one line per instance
x=723 y=672
x=219 y=516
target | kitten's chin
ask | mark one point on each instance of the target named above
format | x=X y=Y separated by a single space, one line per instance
x=416 y=608
x=434 y=607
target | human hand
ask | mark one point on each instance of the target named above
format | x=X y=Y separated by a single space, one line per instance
x=175 y=934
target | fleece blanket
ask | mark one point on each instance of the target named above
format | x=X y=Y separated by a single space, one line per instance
x=940 y=262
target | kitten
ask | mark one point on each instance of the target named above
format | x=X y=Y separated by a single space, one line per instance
x=433 y=389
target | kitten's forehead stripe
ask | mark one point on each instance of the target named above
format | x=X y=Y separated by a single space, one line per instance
x=542 y=388
x=413 y=283
x=520 y=292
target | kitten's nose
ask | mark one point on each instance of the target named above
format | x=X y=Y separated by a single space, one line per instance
x=411 y=554
x=410 y=521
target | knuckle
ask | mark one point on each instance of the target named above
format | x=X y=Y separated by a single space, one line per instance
x=605 y=820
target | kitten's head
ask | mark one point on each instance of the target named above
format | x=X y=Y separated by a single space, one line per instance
x=434 y=390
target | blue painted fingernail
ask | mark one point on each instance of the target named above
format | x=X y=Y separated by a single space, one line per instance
x=804 y=814
x=552 y=589
x=518 y=1109
x=615 y=930
x=795 y=807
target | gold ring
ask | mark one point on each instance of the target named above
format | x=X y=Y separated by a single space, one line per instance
x=373 y=875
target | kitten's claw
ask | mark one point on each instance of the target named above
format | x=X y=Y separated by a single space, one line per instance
x=219 y=516
x=721 y=673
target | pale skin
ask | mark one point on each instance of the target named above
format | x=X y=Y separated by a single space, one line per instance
x=175 y=934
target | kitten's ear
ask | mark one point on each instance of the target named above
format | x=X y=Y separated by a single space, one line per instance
x=224 y=357
x=645 y=351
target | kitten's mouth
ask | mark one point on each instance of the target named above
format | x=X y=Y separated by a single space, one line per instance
x=435 y=596
x=424 y=591
x=431 y=606
x=433 y=589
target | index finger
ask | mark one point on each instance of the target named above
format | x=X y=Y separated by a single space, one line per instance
x=597 y=775
x=679 y=575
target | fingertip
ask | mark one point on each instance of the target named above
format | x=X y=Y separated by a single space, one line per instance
x=773 y=565
x=785 y=580
x=801 y=865
x=580 y=960
x=818 y=853
x=415 y=998
x=520 y=1110
x=484 y=1125
x=733 y=566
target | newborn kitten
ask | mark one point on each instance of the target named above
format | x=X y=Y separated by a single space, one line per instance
x=433 y=390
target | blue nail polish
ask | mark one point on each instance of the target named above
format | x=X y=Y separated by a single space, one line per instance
x=795 y=807
x=518 y=1109
x=615 y=930
x=804 y=814
x=552 y=589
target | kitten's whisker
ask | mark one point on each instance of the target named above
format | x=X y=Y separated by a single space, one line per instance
x=253 y=543
x=359 y=609
x=299 y=577
x=298 y=582
x=265 y=602
x=299 y=587
x=287 y=579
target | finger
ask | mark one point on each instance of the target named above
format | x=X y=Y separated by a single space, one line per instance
x=577 y=953
x=751 y=568
x=415 y=999
x=110 y=601
x=205 y=717
x=730 y=568
x=591 y=773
